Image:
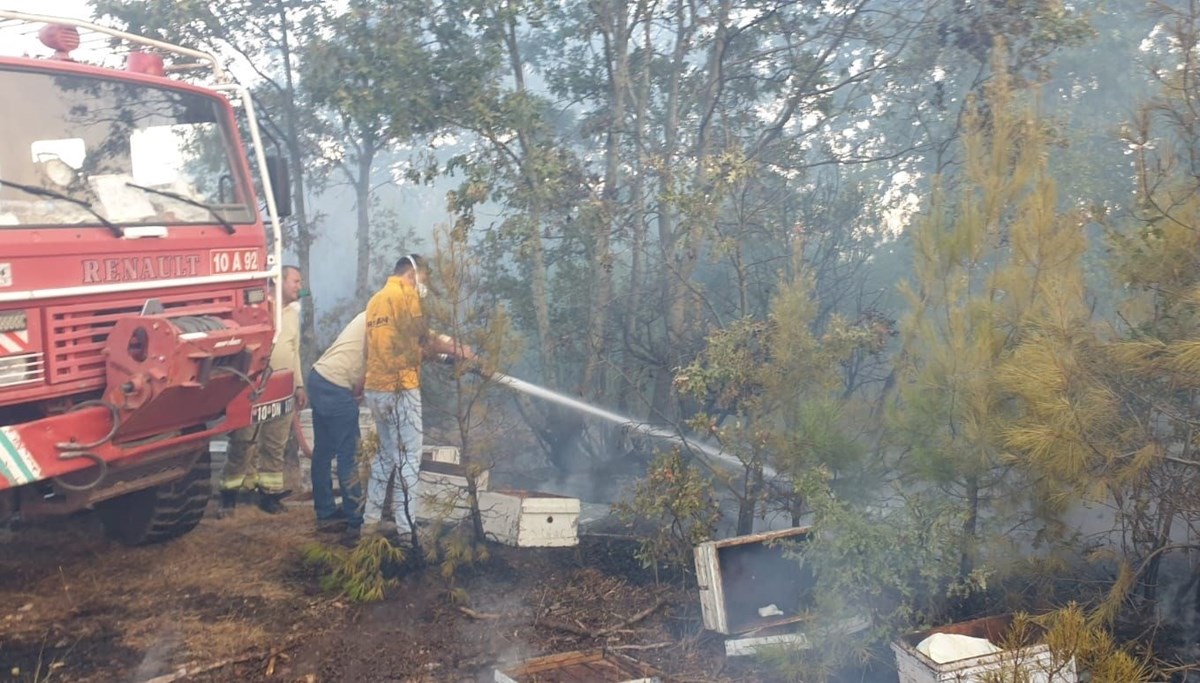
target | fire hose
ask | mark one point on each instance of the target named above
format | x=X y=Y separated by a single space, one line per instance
x=714 y=455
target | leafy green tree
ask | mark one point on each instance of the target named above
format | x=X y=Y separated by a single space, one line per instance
x=464 y=404
x=676 y=499
x=780 y=383
x=379 y=80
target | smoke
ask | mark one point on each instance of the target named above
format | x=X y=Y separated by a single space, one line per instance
x=157 y=659
x=505 y=645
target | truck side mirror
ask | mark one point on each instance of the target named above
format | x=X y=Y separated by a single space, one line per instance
x=281 y=185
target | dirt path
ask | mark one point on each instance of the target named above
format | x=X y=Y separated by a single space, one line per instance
x=233 y=601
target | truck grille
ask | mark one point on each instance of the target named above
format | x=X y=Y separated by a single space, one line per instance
x=22 y=369
x=78 y=333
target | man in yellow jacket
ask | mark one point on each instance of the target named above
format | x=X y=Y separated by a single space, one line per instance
x=397 y=339
x=255 y=455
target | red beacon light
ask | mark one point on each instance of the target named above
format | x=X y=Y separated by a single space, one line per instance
x=60 y=38
x=145 y=63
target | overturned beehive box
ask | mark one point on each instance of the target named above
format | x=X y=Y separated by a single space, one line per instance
x=530 y=519
x=593 y=666
x=742 y=575
x=444 y=491
x=1029 y=660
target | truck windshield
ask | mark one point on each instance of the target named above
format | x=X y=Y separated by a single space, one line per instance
x=94 y=139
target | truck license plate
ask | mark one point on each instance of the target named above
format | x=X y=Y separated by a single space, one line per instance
x=270 y=411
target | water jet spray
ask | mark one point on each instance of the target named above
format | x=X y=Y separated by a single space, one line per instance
x=712 y=454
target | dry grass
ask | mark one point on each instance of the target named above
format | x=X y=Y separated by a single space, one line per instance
x=222 y=590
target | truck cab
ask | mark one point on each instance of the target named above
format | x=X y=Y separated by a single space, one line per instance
x=137 y=276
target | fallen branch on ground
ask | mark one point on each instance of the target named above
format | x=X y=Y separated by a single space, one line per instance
x=650 y=646
x=561 y=625
x=192 y=671
x=637 y=618
x=480 y=616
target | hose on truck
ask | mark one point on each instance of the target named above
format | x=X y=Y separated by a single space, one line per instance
x=72 y=450
x=99 y=462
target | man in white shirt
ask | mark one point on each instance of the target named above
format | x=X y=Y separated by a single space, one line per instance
x=333 y=386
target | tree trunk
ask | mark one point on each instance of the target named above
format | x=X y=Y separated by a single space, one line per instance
x=630 y=368
x=664 y=407
x=748 y=502
x=533 y=245
x=363 y=286
x=617 y=47
x=304 y=237
x=970 y=527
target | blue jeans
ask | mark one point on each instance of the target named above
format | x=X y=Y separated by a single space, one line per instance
x=398 y=422
x=335 y=434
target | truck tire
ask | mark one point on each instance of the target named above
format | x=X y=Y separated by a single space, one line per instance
x=160 y=513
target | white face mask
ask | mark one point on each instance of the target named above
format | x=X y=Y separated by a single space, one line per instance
x=422 y=290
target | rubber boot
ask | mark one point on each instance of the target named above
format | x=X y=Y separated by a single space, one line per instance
x=228 y=503
x=272 y=503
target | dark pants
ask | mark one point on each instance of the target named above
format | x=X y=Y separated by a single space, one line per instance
x=335 y=433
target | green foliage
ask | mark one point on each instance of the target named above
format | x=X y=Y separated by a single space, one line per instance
x=1072 y=635
x=360 y=573
x=877 y=571
x=675 y=500
x=453 y=551
x=465 y=401
x=997 y=269
x=1109 y=413
x=780 y=382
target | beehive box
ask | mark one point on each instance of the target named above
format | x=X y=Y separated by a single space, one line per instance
x=443 y=490
x=1033 y=659
x=591 y=666
x=447 y=454
x=791 y=636
x=739 y=575
x=530 y=519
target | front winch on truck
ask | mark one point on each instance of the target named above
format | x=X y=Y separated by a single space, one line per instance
x=136 y=316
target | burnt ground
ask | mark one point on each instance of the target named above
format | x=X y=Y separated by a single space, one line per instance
x=234 y=601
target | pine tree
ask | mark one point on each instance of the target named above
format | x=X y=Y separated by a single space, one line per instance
x=1111 y=413
x=993 y=266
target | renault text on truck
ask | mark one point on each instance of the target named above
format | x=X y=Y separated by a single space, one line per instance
x=136 y=275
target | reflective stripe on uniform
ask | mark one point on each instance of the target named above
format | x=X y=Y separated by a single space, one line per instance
x=271 y=482
x=238 y=482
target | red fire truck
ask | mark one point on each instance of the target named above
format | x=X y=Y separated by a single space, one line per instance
x=136 y=315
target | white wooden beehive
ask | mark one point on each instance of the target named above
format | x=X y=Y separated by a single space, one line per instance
x=441 y=454
x=443 y=490
x=530 y=519
x=1034 y=663
x=736 y=576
